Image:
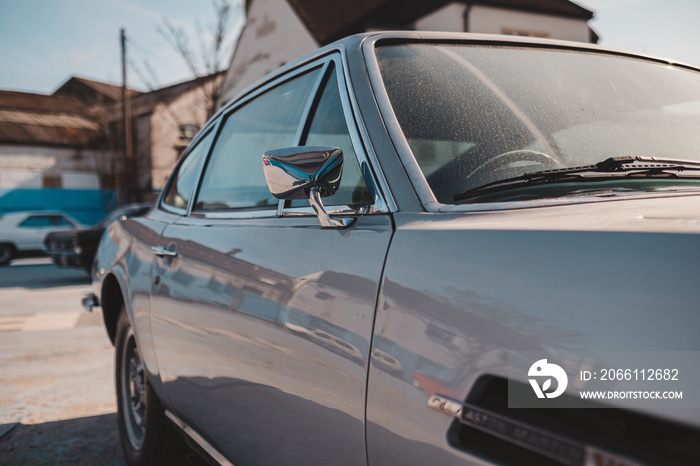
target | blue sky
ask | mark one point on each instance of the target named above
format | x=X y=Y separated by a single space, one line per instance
x=44 y=42
x=666 y=28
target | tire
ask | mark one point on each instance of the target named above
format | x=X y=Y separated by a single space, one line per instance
x=7 y=252
x=143 y=427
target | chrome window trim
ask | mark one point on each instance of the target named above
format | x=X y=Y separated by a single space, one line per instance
x=415 y=175
x=198 y=439
x=311 y=102
x=212 y=129
x=271 y=212
x=364 y=141
x=382 y=204
x=215 y=127
x=334 y=210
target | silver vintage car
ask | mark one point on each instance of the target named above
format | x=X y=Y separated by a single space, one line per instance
x=422 y=248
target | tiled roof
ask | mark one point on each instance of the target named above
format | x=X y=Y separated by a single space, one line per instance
x=45 y=135
x=13 y=100
x=110 y=91
x=37 y=119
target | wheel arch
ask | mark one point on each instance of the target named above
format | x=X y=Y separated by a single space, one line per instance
x=111 y=300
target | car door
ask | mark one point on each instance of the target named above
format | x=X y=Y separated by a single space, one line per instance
x=262 y=321
x=33 y=230
x=136 y=241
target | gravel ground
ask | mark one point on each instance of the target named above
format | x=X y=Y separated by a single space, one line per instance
x=57 y=402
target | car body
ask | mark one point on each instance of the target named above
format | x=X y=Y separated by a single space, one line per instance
x=361 y=258
x=22 y=234
x=76 y=248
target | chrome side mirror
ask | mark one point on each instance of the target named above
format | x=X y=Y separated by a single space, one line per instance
x=309 y=172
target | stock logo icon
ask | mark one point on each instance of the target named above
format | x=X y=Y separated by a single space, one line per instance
x=545 y=372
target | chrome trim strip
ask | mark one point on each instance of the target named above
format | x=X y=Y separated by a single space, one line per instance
x=445 y=405
x=269 y=213
x=170 y=209
x=309 y=211
x=206 y=446
x=162 y=252
x=529 y=437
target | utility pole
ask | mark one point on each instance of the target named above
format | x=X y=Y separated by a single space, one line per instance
x=127 y=156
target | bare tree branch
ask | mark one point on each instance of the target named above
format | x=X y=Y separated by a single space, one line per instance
x=215 y=43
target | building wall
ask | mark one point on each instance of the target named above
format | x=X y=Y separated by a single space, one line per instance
x=492 y=20
x=56 y=178
x=166 y=146
x=449 y=18
x=273 y=35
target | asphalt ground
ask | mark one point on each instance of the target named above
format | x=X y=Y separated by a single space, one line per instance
x=57 y=400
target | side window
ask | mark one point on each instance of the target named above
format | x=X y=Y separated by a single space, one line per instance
x=29 y=222
x=233 y=178
x=36 y=222
x=329 y=128
x=178 y=194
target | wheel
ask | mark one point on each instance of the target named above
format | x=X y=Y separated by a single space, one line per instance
x=7 y=252
x=142 y=423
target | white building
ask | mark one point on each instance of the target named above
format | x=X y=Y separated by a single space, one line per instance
x=65 y=151
x=278 y=31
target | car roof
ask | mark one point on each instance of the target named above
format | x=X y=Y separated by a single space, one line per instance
x=356 y=41
x=10 y=216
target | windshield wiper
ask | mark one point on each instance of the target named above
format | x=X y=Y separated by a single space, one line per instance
x=612 y=168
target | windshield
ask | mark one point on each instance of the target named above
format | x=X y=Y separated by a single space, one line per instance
x=473 y=115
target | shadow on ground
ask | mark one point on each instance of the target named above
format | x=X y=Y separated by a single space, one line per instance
x=81 y=442
x=38 y=276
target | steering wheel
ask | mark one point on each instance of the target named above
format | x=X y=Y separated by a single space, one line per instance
x=469 y=170
x=507 y=158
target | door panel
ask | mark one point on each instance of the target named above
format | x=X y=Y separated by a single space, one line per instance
x=262 y=331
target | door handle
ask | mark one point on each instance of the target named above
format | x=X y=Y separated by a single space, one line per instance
x=162 y=252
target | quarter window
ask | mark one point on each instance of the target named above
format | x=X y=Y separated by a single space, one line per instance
x=178 y=194
x=233 y=178
x=328 y=128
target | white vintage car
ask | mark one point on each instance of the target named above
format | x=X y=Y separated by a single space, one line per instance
x=22 y=234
